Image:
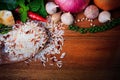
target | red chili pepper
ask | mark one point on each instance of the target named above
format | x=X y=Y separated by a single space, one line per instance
x=36 y=16
x=33 y=15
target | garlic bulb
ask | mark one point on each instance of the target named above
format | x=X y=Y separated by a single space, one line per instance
x=67 y=18
x=56 y=17
x=104 y=16
x=51 y=7
x=91 y=12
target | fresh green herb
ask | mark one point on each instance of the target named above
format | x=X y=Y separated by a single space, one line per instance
x=38 y=6
x=8 y=4
x=95 y=29
x=23 y=16
x=32 y=5
x=42 y=10
x=4 y=29
x=23 y=10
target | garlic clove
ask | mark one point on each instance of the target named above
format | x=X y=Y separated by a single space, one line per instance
x=51 y=7
x=104 y=16
x=67 y=18
x=56 y=17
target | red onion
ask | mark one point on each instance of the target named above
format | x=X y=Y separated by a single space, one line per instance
x=73 y=6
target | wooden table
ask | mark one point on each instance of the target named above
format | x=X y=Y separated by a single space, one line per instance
x=88 y=57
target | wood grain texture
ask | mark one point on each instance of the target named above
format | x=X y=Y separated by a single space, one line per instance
x=88 y=57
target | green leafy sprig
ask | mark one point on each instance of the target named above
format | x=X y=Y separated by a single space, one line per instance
x=23 y=10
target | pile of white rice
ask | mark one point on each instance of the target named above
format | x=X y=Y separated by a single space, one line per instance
x=23 y=42
x=45 y=44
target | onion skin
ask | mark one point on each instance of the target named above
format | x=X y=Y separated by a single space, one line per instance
x=73 y=6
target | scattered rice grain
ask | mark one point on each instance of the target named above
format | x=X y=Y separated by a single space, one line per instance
x=55 y=32
x=62 y=55
x=78 y=20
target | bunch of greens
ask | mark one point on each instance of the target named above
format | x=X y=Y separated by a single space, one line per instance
x=25 y=5
x=32 y=5
x=37 y=6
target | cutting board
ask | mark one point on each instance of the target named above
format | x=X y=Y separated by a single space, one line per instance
x=88 y=57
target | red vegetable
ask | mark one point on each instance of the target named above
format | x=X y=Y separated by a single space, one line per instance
x=33 y=15
x=36 y=16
